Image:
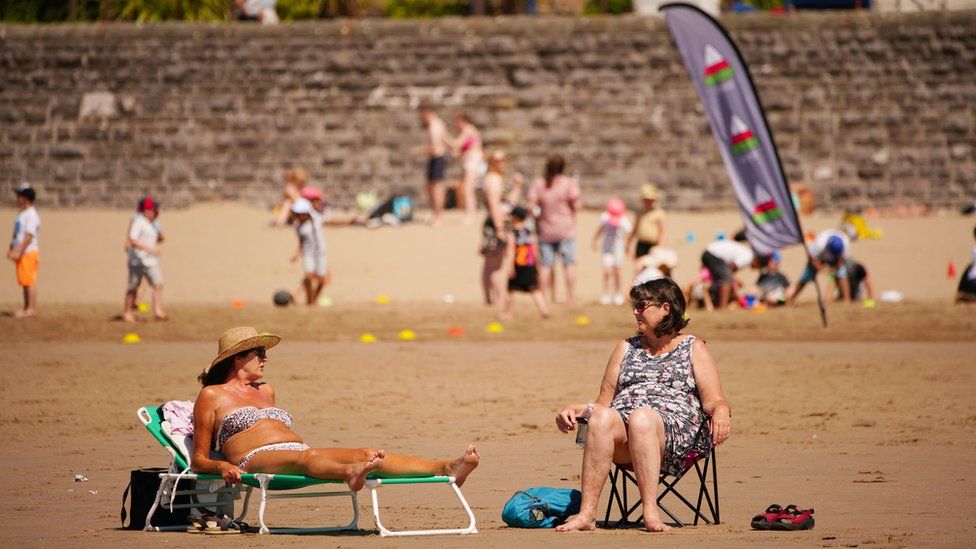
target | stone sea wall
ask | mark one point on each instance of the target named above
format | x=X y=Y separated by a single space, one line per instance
x=866 y=108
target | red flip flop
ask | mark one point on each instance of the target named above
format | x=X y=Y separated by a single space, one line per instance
x=794 y=518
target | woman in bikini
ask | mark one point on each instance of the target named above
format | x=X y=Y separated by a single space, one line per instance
x=468 y=146
x=235 y=414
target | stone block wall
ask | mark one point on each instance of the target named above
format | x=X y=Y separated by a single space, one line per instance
x=868 y=109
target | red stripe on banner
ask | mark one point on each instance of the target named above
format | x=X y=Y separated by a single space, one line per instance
x=740 y=137
x=766 y=206
x=712 y=69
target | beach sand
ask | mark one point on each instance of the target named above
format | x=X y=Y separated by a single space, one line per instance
x=870 y=421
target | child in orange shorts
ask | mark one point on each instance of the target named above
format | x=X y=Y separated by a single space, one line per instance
x=24 y=250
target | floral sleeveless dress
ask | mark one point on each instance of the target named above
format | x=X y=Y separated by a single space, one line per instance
x=666 y=384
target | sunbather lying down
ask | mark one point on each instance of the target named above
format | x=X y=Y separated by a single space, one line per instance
x=235 y=413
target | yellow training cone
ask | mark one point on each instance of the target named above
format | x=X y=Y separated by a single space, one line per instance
x=142 y=307
x=367 y=338
x=325 y=301
x=407 y=335
x=868 y=304
x=582 y=321
x=382 y=299
x=495 y=328
x=131 y=338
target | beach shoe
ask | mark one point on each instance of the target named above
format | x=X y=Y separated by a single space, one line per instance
x=794 y=518
x=213 y=524
x=765 y=521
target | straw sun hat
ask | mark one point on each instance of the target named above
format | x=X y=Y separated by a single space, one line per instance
x=242 y=338
x=650 y=191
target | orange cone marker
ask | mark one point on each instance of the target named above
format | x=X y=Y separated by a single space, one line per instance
x=951 y=273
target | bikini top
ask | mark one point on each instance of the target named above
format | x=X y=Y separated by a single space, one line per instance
x=244 y=418
x=470 y=142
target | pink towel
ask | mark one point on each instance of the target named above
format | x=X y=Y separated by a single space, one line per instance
x=179 y=414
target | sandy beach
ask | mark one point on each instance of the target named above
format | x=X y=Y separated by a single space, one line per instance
x=871 y=421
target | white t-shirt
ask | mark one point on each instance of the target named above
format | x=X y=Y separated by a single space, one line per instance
x=147 y=233
x=310 y=235
x=614 y=238
x=971 y=275
x=26 y=223
x=731 y=252
x=818 y=248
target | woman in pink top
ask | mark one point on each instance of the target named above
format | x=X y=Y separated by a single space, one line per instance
x=468 y=147
x=558 y=199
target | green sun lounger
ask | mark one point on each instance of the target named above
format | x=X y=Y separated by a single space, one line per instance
x=223 y=496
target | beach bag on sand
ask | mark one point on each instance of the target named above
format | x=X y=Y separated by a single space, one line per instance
x=541 y=507
x=141 y=491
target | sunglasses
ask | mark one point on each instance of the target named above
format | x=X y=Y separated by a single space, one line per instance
x=641 y=306
x=262 y=354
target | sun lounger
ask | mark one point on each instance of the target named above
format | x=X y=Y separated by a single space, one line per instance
x=152 y=418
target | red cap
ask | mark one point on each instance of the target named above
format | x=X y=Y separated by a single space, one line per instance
x=310 y=193
x=146 y=204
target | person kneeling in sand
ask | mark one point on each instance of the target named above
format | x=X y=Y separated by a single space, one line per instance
x=640 y=419
x=235 y=414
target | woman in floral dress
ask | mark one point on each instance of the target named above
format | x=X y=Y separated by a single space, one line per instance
x=656 y=389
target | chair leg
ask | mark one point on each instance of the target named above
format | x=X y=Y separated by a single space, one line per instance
x=263 y=481
x=159 y=497
x=715 y=511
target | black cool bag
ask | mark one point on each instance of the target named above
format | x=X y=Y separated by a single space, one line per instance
x=143 y=485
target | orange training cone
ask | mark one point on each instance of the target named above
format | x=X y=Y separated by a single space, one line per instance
x=951 y=273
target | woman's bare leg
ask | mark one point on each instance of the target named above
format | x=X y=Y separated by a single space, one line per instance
x=399 y=465
x=317 y=463
x=470 y=203
x=570 y=274
x=605 y=437
x=545 y=284
x=645 y=433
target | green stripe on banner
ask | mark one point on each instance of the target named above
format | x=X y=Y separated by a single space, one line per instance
x=766 y=217
x=746 y=145
x=719 y=77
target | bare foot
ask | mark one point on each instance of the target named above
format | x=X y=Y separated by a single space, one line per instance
x=463 y=466
x=654 y=524
x=23 y=314
x=577 y=523
x=358 y=472
x=161 y=316
x=128 y=317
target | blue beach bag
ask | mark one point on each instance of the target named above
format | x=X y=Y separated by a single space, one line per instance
x=541 y=507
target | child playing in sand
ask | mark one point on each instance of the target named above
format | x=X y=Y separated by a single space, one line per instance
x=773 y=286
x=311 y=249
x=522 y=259
x=24 y=251
x=966 y=291
x=143 y=246
x=615 y=228
x=660 y=263
x=859 y=282
x=827 y=251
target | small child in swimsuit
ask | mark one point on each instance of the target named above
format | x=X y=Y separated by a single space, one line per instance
x=522 y=259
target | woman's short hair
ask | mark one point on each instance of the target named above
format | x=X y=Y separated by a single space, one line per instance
x=218 y=373
x=663 y=290
x=555 y=165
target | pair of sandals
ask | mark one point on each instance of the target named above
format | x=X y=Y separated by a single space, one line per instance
x=215 y=524
x=778 y=518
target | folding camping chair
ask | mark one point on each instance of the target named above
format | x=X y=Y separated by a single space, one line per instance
x=622 y=475
x=152 y=418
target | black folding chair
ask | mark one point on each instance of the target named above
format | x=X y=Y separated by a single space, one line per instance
x=622 y=476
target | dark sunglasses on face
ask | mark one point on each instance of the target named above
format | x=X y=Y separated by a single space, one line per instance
x=262 y=354
x=641 y=306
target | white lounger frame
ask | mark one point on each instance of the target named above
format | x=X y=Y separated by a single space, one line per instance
x=227 y=494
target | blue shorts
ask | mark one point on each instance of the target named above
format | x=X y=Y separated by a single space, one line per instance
x=565 y=248
x=808 y=273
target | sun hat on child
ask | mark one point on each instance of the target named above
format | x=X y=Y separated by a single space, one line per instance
x=311 y=193
x=616 y=209
x=240 y=339
x=147 y=203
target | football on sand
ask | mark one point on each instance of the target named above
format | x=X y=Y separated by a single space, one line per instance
x=282 y=298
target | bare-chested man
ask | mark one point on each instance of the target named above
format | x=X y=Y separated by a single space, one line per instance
x=437 y=145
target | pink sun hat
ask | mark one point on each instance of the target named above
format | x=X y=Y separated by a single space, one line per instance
x=616 y=209
x=311 y=193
